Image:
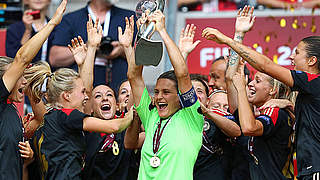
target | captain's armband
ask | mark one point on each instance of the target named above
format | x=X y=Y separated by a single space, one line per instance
x=188 y=99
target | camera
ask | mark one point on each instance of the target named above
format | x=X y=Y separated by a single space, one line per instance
x=106 y=46
x=35 y=14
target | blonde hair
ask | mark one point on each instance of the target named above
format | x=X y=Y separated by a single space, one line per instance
x=282 y=90
x=60 y=81
x=4 y=62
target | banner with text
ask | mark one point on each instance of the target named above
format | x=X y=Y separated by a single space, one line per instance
x=275 y=37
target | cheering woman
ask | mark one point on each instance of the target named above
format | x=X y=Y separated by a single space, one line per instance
x=304 y=79
x=173 y=127
x=269 y=129
x=12 y=85
x=59 y=142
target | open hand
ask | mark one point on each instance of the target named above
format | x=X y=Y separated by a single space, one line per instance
x=186 y=44
x=214 y=35
x=245 y=19
x=125 y=39
x=94 y=32
x=78 y=49
x=281 y=103
x=56 y=19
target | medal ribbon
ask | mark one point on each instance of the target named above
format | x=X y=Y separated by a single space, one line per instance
x=157 y=136
x=206 y=144
x=250 y=148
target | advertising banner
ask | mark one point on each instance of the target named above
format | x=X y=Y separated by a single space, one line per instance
x=275 y=37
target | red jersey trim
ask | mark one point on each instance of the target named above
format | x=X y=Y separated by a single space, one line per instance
x=219 y=112
x=273 y=113
x=312 y=76
x=8 y=101
x=67 y=111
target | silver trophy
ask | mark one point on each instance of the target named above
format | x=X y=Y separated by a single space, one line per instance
x=148 y=52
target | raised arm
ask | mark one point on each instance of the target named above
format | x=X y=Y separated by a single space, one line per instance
x=84 y=55
x=311 y=4
x=249 y=125
x=276 y=4
x=255 y=59
x=134 y=138
x=29 y=50
x=186 y=44
x=244 y=23
x=110 y=126
x=134 y=72
x=177 y=61
x=94 y=32
x=33 y=121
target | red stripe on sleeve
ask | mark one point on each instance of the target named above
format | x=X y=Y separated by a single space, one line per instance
x=273 y=113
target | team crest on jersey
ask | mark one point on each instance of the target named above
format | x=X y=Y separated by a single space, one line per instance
x=267 y=119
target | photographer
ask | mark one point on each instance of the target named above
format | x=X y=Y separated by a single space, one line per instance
x=110 y=64
x=33 y=20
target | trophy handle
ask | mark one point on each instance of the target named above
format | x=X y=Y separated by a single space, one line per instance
x=149 y=31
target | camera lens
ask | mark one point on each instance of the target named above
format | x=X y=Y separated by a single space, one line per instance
x=106 y=46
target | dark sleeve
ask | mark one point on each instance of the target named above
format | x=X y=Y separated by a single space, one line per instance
x=268 y=126
x=4 y=93
x=13 y=39
x=236 y=118
x=64 y=32
x=74 y=121
x=271 y=120
x=305 y=82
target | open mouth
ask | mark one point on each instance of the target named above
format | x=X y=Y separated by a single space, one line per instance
x=106 y=107
x=252 y=92
x=162 y=106
x=126 y=101
x=20 y=90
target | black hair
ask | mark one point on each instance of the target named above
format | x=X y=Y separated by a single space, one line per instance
x=169 y=75
x=218 y=59
x=312 y=47
x=118 y=87
x=202 y=79
x=114 y=92
x=246 y=70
